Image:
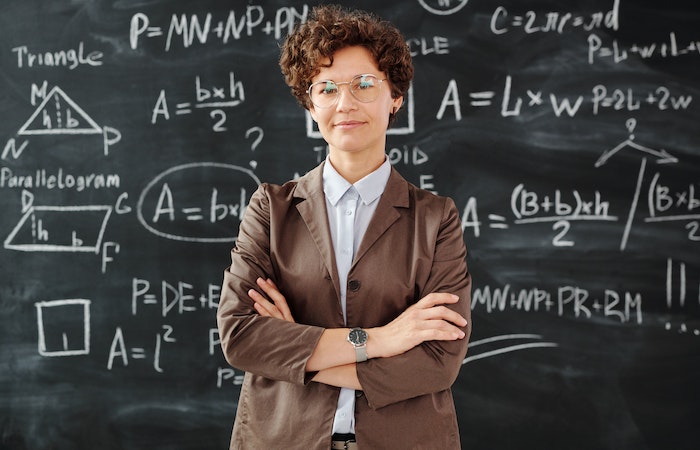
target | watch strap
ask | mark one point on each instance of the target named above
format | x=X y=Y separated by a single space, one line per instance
x=361 y=353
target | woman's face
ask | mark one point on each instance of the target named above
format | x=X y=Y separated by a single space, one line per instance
x=351 y=126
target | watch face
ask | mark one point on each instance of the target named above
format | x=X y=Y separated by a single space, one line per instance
x=357 y=336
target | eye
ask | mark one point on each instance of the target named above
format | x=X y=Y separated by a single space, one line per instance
x=365 y=82
x=328 y=87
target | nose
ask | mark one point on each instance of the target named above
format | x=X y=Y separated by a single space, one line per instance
x=346 y=101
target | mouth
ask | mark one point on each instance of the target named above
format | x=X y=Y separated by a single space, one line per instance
x=348 y=124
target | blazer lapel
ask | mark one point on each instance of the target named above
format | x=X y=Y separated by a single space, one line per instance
x=313 y=211
x=395 y=196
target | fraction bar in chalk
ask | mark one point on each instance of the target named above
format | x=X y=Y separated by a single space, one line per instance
x=60 y=229
x=229 y=104
x=63 y=327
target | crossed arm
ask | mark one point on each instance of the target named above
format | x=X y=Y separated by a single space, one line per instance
x=334 y=358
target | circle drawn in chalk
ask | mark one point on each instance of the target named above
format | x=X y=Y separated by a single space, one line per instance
x=443 y=7
x=197 y=202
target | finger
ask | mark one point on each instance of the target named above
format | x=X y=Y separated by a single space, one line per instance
x=447 y=335
x=270 y=288
x=445 y=313
x=261 y=310
x=262 y=303
x=437 y=298
x=440 y=330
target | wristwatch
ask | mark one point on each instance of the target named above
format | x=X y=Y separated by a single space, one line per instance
x=358 y=338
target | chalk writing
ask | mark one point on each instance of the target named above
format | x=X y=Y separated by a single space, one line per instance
x=177 y=298
x=666 y=204
x=567 y=300
x=625 y=100
x=601 y=98
x=554 y=22
x=660 y=98
x=70 y=58
x=198 y=29
x=678 y=293
x=529 y=207
x=118 y=349
x=213 y=98
x=618 y=52
x=438 y=45
x=57 y=179
x=527 y=118
x=209 y=209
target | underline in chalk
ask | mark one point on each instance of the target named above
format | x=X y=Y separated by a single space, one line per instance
x=566 y=218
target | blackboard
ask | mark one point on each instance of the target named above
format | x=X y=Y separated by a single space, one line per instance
x=132 y=134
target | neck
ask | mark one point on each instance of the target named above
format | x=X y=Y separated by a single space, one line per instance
x=354 y=167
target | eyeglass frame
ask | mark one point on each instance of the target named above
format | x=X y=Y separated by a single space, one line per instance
x=338 y=84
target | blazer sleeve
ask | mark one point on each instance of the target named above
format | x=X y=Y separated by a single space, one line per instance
x=264 y=346
x=432 y=366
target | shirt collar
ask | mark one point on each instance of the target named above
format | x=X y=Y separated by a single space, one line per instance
x=369 y=188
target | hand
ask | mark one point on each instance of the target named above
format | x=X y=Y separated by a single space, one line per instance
x=427 y=320
x=277 y=307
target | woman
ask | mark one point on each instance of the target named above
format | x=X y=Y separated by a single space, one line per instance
x=347 y=301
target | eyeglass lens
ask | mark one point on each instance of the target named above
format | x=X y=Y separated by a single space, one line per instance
x=364 y=88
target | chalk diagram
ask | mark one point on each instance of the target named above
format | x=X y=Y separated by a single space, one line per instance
x=530 y=341
x=60 y=229
x=662 y=157
x=58 y=114
x=56 y=324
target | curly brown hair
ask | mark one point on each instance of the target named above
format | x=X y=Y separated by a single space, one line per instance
x=330 y=28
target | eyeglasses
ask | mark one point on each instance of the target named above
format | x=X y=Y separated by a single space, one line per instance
x=365 y=88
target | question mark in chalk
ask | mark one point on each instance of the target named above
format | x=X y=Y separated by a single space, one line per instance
x=256 y=141
x=631 y=124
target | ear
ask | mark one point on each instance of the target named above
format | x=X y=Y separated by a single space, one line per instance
x=396 y=104
x=312 y=111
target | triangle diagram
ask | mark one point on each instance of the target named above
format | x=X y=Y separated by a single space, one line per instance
x=58 y=114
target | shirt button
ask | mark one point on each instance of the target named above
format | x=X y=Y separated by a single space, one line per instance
x=348 y=212
x=354 y=285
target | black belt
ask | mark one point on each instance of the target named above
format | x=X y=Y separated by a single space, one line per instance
x=343 y=441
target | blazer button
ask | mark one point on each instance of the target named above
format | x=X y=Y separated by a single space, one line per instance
x=354 y=285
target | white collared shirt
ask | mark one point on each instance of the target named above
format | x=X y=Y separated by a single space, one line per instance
x=350 y=208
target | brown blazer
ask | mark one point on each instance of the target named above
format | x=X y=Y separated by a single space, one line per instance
x=412 y=247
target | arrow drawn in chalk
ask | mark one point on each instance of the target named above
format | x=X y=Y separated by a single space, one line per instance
x=663 y=157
